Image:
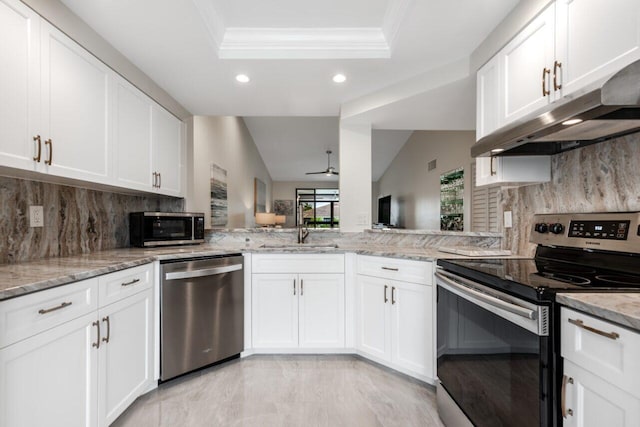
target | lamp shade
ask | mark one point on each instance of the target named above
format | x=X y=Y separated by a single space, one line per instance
x=265 y=218
x=281 y=219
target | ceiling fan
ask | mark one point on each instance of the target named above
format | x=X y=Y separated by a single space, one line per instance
x=330 y=169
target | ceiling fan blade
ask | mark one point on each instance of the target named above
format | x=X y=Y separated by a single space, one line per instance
x=316 y=173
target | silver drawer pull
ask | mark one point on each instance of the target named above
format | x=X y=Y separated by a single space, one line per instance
x=49 y=310
x=580 y=324
x=389 y=268
x=130 y=283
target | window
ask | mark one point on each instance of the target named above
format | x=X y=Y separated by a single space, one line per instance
x=320 y=207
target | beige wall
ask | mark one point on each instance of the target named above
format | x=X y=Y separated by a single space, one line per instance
x=286 y=190
x=225 y=141
x=415 y=192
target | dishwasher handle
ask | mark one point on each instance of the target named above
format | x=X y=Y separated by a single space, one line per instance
x=189 y=274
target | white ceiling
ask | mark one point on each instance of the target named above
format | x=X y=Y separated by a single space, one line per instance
x=292 y=146
x=291 y=49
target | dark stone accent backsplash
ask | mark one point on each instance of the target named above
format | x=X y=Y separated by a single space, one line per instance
x=76 y=220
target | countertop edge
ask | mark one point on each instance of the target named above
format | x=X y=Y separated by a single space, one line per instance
x=620 y=308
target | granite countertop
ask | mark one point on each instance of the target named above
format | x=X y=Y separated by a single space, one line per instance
x=24 y=278
x=620 y=308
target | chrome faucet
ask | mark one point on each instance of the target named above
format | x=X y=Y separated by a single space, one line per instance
x=303 y=232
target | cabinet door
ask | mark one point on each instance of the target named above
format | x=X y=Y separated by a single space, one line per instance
x=132 y=137
x=126 y=354
x=321 y=303
x=512 y=169
x=595 y=39
x=488 y=98
x=591 y=401
x=51 y=379
x=167 y=150
x=488 y=170
x=412 y=327
x=75 y=109
x=524 y=60
x=274 y=305
x=19 y=85
x=373 y=299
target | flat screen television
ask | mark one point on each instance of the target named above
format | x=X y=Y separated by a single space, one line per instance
x=384 y=210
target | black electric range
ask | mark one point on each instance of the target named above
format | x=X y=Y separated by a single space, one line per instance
x=498 y=324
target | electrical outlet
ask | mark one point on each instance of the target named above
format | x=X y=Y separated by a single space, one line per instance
x=508 y=219
x=36 y=216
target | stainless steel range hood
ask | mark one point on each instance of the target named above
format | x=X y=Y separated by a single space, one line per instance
x=611 y=110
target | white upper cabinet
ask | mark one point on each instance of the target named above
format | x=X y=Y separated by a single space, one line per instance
x=488 y=98
x=594 y=39
x=568 y=47
x=67 y=114
x=526 y=83
x=167 y=151
x=75 y=109
x=132 y=137
x=20 y=59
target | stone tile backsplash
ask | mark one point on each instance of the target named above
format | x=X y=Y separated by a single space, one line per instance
x=603 y=177
x=76 y=220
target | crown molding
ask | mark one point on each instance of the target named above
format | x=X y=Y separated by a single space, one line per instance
x=212 y=21
x=393 y=17
x=303 y=43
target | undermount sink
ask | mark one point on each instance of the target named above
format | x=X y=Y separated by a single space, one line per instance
x=298 y=246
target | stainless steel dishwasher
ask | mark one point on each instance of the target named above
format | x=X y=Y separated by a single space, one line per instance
x=201 y=312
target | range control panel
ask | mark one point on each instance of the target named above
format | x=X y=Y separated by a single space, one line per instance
x=618 y=231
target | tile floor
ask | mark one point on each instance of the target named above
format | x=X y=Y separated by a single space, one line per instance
x=305 y=390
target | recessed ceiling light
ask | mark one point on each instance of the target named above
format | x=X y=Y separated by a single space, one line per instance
x=242 y=78
x=571 y=122
x=339 y=78
x=497 y=150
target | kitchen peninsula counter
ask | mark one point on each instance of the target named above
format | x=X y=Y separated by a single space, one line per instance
x=32 y=276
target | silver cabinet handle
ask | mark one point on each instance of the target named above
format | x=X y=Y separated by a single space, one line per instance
x=294 y=286
x=202 y=273
x=159 y=180
x=580 y=324
x=301 y=287
x=49 y=310
x=386 y=300
x=389 y=268
x=563 y=397
x=155 y=180
x=106 y=339
x=130 y=283
x=393 y=295
x=97 y=343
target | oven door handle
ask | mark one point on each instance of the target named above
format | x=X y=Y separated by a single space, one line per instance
x=488 y=299
x=202 y=273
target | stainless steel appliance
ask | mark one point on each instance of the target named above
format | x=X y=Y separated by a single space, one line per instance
x=498 y=359
x=148 y=229
x=201 y=312
x=609 y=110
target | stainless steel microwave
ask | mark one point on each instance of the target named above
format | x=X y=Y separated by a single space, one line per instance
x=147 y=229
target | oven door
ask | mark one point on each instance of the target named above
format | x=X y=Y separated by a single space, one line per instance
x=493 y=355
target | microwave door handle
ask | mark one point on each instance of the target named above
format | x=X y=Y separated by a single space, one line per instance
x=176 y=275
x=493 y=301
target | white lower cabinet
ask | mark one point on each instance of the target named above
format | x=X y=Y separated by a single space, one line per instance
x=395 y=317
x=395 y=324
x=126 y=354
x=298 y=311
x=51 y=379
x=601 y=372
x=79 y=371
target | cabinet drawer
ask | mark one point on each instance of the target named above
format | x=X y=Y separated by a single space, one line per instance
x=614 y=357
x=28 y=315
x=304 y=263
x=396 y=269
x=116 y=286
